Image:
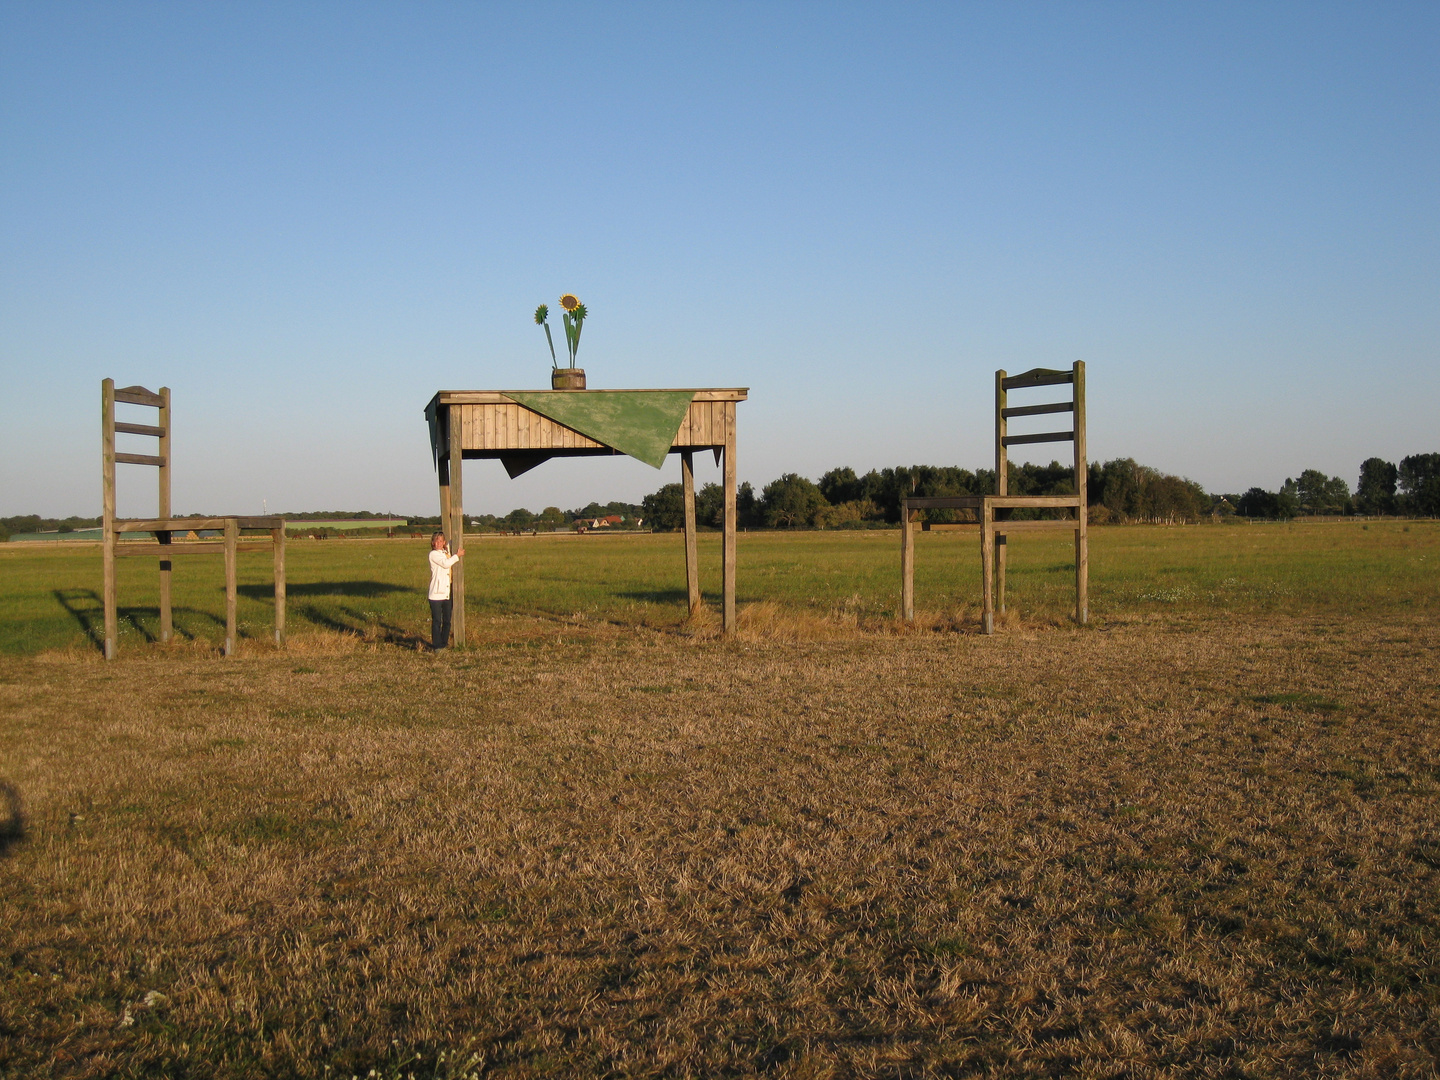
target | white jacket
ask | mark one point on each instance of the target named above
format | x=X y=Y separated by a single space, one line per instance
x=440 y=564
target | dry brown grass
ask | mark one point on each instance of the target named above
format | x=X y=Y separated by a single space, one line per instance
x=1197 y=847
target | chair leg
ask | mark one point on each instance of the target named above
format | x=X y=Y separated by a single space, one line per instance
x=1001 y=548
x=987 y=570
x=907 y=565
x=1082 y=575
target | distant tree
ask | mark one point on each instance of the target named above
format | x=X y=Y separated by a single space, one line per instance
x=1287 y=500
x=791 y=500
x=664 y=510
x=840 y=485
x=747 y=507
x=1321 y=494
x=710 y=506
x=519 y=518
x=1375 y=493
x=1258 y=503
x=551 y=516
x=1134 y=492
x=1419 y=476
x=846 y=515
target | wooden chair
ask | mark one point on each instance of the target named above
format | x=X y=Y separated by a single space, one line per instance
x=163 y=526
x=994 y=511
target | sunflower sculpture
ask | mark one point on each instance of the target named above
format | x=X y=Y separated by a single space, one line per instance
x=573 y=317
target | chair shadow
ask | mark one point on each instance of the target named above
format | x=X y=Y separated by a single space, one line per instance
x=92 y=618
x=365 y=590
x=363 y=625
x=12 y=818
x=657 y=596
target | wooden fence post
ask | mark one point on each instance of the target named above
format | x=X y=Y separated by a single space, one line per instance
x=277 y=540
x=167 y=626
x=232 y=539
x=987 y=568
x=907 y=563
x=107 y=473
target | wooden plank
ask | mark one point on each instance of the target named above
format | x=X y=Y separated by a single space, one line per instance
x=1002 y=460
x=128 y=548
x=907 y=562
x=987 y=570
x=232 y=541
x=1033 y=526
x=479 y=438
x=498 y=397
x=140 y=429
x=455 y=533
x=162 y=509
x=107 y=486
x=1039 y=410
x=1041 y=437
x=972 y=502
x=728 y=559
x=1082 y=478
x=139 y=459
x=138 y=395
x=187 y=524
x=277 y=538
x=692 y=553
x=1038 y=377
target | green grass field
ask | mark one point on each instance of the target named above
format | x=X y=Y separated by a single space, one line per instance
x=1196 y=839
x=49 y=597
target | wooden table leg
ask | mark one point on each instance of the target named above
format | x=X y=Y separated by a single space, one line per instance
x=455 y=533
x=692 y=552
x=728 y=559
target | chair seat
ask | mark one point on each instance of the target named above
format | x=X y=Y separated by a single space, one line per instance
x=975 y=502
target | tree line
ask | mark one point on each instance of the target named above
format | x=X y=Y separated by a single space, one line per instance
x=1119 y=490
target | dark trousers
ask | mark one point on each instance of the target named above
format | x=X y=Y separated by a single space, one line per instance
x=439 y=624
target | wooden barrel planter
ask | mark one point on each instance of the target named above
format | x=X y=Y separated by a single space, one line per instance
x=567 y=378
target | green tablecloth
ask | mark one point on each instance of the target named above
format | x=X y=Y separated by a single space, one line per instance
x=641 y=423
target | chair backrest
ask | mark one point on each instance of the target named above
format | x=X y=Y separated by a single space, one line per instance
x=109 y=426
x=1075 y=377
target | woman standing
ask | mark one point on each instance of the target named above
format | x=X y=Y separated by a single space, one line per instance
x=440 y=563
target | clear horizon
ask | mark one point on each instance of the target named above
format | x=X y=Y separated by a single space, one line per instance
x=306 y=221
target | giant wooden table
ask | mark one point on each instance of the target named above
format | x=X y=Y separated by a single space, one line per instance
x=491 y=424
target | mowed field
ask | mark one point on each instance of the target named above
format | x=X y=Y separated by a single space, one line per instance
x=1197 y=838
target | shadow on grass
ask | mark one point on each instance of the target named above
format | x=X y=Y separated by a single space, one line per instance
x=12 y=818
x=657 y=596
x=86 y=608
x=362 y=624
x=363 y=589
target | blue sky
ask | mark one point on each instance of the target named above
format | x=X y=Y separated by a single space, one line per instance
x=306 y=219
